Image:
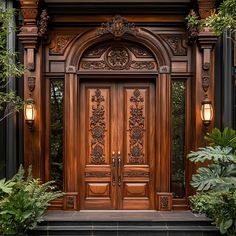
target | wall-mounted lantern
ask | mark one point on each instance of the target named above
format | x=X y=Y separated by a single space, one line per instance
x=206 y=112
x=30 y=112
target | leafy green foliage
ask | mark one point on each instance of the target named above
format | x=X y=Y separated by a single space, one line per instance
x=215 y=154
x=227 y=138
x=220 y=174
x=56 y=132
x=219 y=206
x=193 y=21
x=214 y=178
x=23 y=202
x=9 y=101
x=178 y=137
x=216 y=183
x=224 y=18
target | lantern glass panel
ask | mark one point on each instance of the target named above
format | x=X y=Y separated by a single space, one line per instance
x=206 y=112
x=29 y=112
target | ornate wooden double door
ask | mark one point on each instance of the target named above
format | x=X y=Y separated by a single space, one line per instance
x=117 y=145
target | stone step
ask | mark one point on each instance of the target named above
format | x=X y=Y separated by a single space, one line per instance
x=125 y=224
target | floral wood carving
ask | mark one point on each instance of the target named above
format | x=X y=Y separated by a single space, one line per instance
x=96 y=52
x=117 y=27
x=136 y=173
x=142 y=65
x=59 y=44
x=43 y=23
x=117 y=58
x=136 y=129
x=175 y=42
x=101 y=65
x=97 y=128
x=140 y=52
x=98 y=174
x=164 y=200
x=205 y=76
x=93 y=65
x=31 y=83
x=30 y=66
x=70 y=202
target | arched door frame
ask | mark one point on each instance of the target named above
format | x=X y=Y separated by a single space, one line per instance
x=163 y=108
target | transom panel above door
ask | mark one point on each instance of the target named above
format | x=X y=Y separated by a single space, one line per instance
x=117 y=145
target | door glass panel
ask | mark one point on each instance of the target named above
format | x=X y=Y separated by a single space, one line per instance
x=178 y=138
x=56 y=132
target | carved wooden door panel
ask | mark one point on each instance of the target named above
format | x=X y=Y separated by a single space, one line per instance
x=136 y=145
x=117 y=125
x=97 y=142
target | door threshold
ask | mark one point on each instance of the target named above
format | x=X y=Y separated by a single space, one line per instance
x=123 y=211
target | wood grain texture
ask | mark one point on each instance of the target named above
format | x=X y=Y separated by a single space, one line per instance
x=69 y=39
x=103 y=184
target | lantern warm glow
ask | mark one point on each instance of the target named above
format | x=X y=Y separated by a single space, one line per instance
x=206 y=112
x=30 y=112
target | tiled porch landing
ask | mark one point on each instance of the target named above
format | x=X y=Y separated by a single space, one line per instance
x=120 y=215
x=129 y=223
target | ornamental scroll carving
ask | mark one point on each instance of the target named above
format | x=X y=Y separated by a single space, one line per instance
x=118 y=56
x=43 y=23
x=97 y=128
x=117 y=27
x=98 y=174
x=59 y=44
x=136 y=129
x=175 y=43
x=205 y=76
x=136 y=173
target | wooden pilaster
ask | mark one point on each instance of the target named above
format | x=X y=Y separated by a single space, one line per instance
x=203 y=82
x=163 y=103
x=33 y=86
x=71 y=139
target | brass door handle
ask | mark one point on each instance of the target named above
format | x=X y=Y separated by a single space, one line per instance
x=113 y=160
x=113 y=169
x=119 y=169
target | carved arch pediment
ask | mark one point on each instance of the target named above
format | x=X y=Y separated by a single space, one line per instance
x=120 y=56
x=117 y=30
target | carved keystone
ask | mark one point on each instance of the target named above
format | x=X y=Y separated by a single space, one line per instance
x=71 y=70
x=164 y=70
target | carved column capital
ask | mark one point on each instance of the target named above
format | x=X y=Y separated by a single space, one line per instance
x=207 y=39
x=205 y=8
x=29 y=11
x=29 y=31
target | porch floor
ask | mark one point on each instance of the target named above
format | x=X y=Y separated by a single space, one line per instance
x=124 y=215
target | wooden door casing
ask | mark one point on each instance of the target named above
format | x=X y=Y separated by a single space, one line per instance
x=117 y=141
